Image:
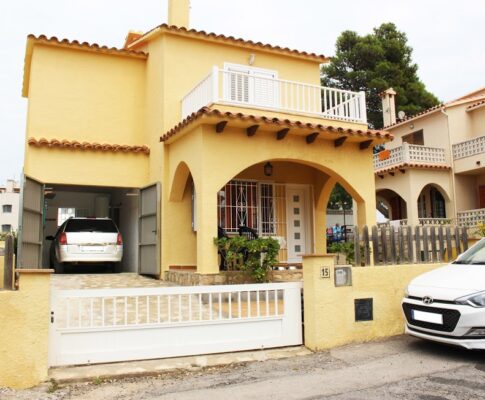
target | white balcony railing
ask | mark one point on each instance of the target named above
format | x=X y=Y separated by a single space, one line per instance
x=469 y=148
x=254 y=91
x=410 y=154
x=471 y=218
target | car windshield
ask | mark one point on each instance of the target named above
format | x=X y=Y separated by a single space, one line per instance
x=91 y=225
x=474 y=255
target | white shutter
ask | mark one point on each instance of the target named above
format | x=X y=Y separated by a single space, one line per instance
x=251 y=85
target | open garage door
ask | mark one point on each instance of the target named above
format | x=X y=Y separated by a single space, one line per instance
x=31 y=224
x=149 y=231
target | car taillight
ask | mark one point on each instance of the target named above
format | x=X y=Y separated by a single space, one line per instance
x=119 y=240
x=63 y=238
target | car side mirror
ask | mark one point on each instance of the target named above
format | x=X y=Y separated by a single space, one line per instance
x=50 y=237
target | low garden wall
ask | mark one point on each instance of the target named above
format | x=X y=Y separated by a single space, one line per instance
x=192 y=278
x=375 y=294
x=24 y=332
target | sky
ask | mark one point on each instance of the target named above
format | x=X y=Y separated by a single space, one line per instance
x=446 y=37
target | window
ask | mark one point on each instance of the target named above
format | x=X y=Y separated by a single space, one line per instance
x=64 y=213
x=250 y=85
x=238 y=206
x=91 y=225
x=7 y=208
x=6 y=228
x=414 y=138
x=260 y=206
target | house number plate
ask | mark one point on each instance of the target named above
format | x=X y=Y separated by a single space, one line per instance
x=325 y=273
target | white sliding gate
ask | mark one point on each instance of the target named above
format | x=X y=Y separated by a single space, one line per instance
x=109 y=325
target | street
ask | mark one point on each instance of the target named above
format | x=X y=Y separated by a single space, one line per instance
x=398 y=368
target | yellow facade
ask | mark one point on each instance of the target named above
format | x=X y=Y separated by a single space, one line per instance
x=134 y=96
x=329 y=310
x=24 y=318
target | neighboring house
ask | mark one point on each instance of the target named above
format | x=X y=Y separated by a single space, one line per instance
x=9 y=206
x=182 y=132
x=434 y=170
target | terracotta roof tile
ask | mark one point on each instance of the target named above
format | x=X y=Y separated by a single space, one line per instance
x=86 y=46
x=75 y=145
x=205 y=111
x=478 y=104
x=410 y=165
x=210 y=35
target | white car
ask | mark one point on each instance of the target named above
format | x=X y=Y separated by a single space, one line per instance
x=447 y=304
x=85 y=240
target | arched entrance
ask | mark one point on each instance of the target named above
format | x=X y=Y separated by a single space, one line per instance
x=391 y=205
x=286 y=200
x=432 y=203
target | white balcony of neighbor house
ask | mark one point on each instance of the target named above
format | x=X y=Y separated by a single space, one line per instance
x=469 y=156
x=471 y=218
x=265 y=92
x=409 y=155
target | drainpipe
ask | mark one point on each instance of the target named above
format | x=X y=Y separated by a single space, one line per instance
x=452 y=163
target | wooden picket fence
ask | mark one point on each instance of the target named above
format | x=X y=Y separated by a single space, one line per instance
x=390 y=245
x=8 y=264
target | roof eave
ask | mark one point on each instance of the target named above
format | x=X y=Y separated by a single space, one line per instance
x=228 y=40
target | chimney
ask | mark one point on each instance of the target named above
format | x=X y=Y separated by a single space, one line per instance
x=388 y=106
x=178 y=13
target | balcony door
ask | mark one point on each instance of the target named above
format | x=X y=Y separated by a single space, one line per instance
x=251 y=86
x=481 y=198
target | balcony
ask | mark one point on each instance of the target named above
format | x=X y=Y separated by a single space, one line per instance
x=468 y=155
x=258 y=92
x=410 y=154
x=471 y=218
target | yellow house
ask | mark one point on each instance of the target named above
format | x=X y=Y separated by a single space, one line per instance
x=181 y=132
x=434 y=170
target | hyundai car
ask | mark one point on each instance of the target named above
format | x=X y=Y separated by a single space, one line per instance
x=447 y=304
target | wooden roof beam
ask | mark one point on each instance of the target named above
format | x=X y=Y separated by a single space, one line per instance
x=365 y=145
x=251 y=131
x=281 y=134
x=220 y=126
x=311 y=137
x=340 y=141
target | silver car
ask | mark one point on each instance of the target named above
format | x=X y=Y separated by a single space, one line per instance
x=85 y=241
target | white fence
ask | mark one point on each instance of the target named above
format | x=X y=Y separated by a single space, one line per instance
x=471 y=218
x=469 y=148
x=109 y=325
x=254 y=91
x=411 y=154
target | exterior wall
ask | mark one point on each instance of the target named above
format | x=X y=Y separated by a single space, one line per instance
x=435 y=132
x=329 y=310
x=8 y=196
x=87 y=97
x=24 y=317
x=478 y=121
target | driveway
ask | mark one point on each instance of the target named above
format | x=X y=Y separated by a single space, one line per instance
x=103 y=281
x=400 y=368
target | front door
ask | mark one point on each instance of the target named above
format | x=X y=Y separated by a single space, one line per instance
x=297 y=211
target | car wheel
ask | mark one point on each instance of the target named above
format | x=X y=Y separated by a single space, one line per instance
x=58 y=267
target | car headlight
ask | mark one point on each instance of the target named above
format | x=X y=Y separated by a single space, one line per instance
x=474 y=300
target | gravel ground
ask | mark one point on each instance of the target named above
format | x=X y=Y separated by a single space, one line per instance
x=402 y=368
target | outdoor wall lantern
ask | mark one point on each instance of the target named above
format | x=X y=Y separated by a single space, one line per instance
x=343 y=276
x=268 y=169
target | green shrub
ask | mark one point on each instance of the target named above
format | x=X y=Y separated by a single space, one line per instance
x=255 y=257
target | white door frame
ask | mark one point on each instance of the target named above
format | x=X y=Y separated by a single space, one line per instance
x=307 y=218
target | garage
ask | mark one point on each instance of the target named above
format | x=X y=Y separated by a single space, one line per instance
x=46 y=206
